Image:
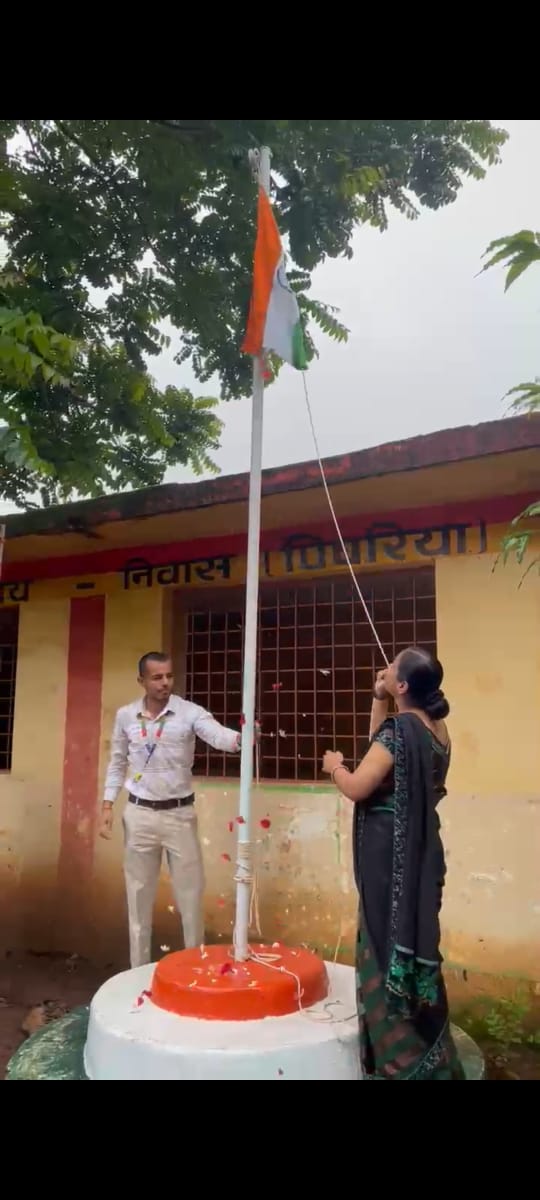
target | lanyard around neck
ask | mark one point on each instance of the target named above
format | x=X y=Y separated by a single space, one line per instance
x=151 y=746
x=159 y=728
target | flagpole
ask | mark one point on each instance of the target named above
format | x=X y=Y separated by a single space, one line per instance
x=244 y=865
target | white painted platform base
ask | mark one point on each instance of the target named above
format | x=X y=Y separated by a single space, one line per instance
x=125 y=1042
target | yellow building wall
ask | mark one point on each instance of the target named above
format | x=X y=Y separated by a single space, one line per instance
x=31 y=795
x=488 y=621
x=489 y=642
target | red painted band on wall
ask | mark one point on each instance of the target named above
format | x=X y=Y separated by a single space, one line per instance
x=493 y=511
x=81 y=744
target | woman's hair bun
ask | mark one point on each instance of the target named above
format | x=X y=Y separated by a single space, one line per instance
x=423 y=675
x=436 y=705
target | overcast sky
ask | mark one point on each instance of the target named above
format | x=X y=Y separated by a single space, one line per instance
x=431 y=344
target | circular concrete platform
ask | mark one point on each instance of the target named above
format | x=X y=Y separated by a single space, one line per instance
x=57 y=1051
x=129 y=1037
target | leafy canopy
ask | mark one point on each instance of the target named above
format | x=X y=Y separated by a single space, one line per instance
x=114 y=228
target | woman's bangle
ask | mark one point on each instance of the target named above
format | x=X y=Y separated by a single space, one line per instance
x=340 y=767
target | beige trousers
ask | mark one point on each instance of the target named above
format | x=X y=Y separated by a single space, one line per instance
x=146 y=835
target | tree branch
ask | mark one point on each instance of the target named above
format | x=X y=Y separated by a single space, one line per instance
x=114 y=187
x=194 y=129
x=42 y=157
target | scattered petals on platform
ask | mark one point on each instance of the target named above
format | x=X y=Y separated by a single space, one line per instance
x=145 y=995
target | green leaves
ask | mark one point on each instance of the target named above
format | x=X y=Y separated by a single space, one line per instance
x=324 y=316
x=526 y=396
x=519 y=251
x=28 y=348
x=118 y=230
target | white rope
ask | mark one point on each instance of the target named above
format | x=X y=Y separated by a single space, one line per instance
x=246 y=875
x=336 y=523
x=270 y=960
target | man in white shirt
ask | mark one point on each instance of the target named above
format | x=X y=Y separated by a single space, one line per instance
x=152 y=751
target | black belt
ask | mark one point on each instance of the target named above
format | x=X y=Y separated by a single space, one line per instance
x=161 y=805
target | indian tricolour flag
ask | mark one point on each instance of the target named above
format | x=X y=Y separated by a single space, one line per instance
x=274 y=317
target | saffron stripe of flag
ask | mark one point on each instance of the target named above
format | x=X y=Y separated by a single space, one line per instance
x=274 y=317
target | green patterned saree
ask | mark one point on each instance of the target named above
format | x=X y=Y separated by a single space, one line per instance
x=400 y=870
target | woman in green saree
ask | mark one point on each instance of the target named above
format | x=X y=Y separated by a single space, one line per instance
x=400 y=870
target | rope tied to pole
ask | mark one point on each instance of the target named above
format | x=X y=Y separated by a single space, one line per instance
x=247 y=876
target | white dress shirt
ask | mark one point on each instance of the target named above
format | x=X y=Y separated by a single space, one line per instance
x=153 y=757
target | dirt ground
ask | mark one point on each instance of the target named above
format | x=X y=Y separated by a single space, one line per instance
x=33 y=979
x=518 y=1062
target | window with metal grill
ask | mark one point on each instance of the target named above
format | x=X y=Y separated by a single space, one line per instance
x=316 y=664
x=9 y=628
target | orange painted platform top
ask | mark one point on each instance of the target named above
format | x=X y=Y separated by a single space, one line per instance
x=208 y=983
